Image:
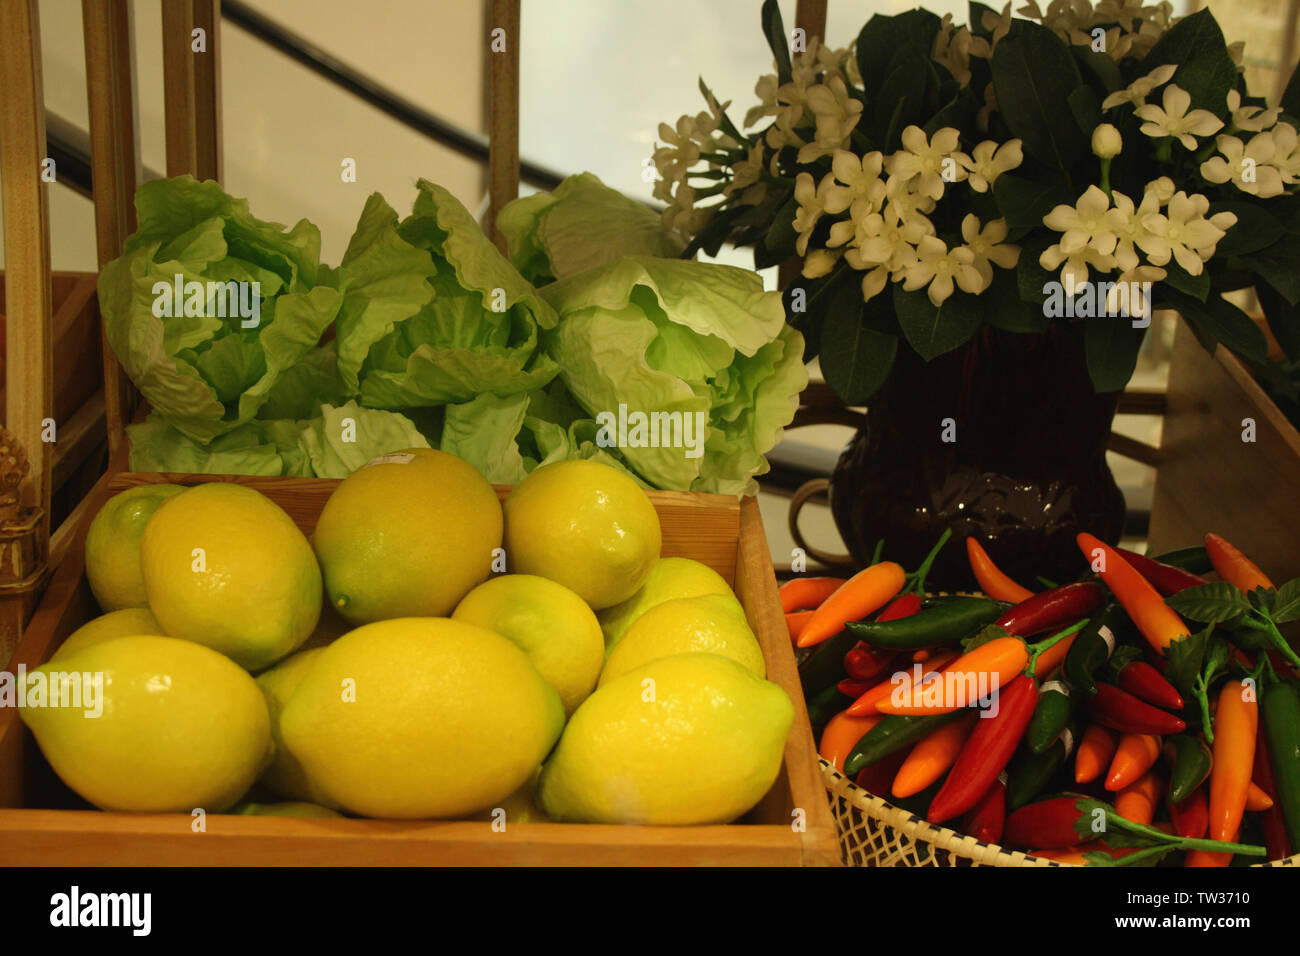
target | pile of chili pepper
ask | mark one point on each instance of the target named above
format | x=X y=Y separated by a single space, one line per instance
x=1145 y=712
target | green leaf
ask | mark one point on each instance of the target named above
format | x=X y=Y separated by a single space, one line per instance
x=1110 y=345
x=1004 y=309
x=1024 y=202
x=1033 y=75
x=1186 y=656
x=1030 y=276
x=1198 y=287
x=855 y=359
x=1100 y=67
x=884 y=37
x=1222 y=321
x=1196 y=46
x=1283 y=319
x=1213 y=603
x=1086 y=109
x=1255 y=229
x=1286 y=606
x=901 y=100
x=933 y=330
x=774 y=30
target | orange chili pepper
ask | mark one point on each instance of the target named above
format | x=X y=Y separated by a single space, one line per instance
x=1236 y=723
x=991 y=579
x=1094 y=754
x=866 y=704
x=842 y=734
x=1053 y=657
x=1138 y=801
x=1233 y=566
x=1154 y=618
x=1133 y=757
x=800 y=593
x=868 y=590
x=932 y=756
x=999 y=661
x=795 y=620
x=1257 y=801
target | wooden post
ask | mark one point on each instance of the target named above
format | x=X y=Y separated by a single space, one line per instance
x=503 y=111
x=191 y=88
x=29 y=384
x=114 y=160
x=810 y=17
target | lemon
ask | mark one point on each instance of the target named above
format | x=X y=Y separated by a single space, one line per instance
x=226 y=567
x=669 y=578
x=290 y=809
x=407 y=535
x=519 y=807
x=127 y=622
x=550 y=623
x=182 y=727
x=113 y=545
x=585 y=525
x=709 y=624
x=284 y=776
x=689 y=739
x=421 y=717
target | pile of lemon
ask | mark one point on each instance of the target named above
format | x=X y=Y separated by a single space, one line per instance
x=426 y=654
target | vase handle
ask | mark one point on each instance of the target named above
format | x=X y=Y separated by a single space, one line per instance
x=811 y=489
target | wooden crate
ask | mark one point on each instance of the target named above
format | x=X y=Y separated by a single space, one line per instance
x=1208 y=479
x=720 y=531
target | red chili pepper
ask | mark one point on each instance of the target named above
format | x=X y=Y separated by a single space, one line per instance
x=1120 y=710
x=1272 y=821
x=988 y=817
x=1191 y=818
x=854 y=688
x=987 y=751
x=1165 y=578
x=865 y=662
x=1050 y=824
x=878 y=777
x=1052 y=609
x=1146 y=683
x=905 y=605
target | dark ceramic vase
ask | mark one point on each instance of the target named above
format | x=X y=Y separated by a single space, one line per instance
x=1024 y=473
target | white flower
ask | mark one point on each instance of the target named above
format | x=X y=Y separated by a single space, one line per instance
x=987 y=246
x=1117 y=43
x=1247 y=165
x=818 y=263
x=682 y=152
x=1184 y=232
x=745 y=172
x=953 y=49
x=1286 y=152
x=859 y=179
x=812 y=203
x=1174 y=120
x=836 y=113
x=999 y=25
x=924 y=160
x=682 y=216
x=904 y=203
x=1084 y=224
x=988 y=161
x=1074 y=266
x=1130 y=232
x=1106 y=141
x=765 y=89
x=1141 y=88
x=940 y=267
x=1121 y=292
x=1252 y=119
x=1164 y=189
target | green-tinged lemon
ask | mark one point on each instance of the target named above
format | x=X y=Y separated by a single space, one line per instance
x=407 y=535
x=669 y=578
x=113 y=545
x=226 y=567
x=289 y=809
x=585 y=525
x=709 y=624
x=127 y=622
x=284 y=776
x=689 y=739
x=421 y=717
x=179 y=726
x=550 y=623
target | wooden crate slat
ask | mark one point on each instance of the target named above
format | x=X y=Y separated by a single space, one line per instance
x=503 y=112
x=191 y=88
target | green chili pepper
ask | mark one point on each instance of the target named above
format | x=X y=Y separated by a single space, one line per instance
x=942 y=626
x=825 y=666
x=1029 y=773
x=1280 y=714
x=1193 y=560
x=892 y=733
x=1093 y=647
x=822 y=707
x=1051 y=714
x=1191 y=760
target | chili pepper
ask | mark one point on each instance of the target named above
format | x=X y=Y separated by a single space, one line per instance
x=825 y=705
x=959 y=683
x=1051 y=609
x=868 y=590
x=1138 y=801
x=1281 y=715
x=1051 y=714
x=1146 y=683
x=1189 y=761
x=1053 y=657
x=865 y=663
x=800 y=593
x=987 y=751
x=825 y=664
x=794 y=622
x=853 y=689
x=1120 y=710
x=1028 y=773
x=932 y=756
x=1234 y=567
x=1165 y=578
x=1236 y=723
x=1191 y=818
x=941 y=626
x=1078 y=855
x=1194 y=560
x=1272 y=821
x=1257 y=799
x=1095 y=752
x=905 y=605
x=1094 y=646
x=991 y=579
x=841 y=735
x=1134 y=755
x=986 y=819
x=890 y=735
x=867 y=702
x=1154 y=619
x=875 y=778
x=923 y=655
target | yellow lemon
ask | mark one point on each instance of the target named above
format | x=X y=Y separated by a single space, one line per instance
x=226 y=567
x=407 y=535
x=550 y=623
x=669 y=578
x=709 y=624
x=113 y=545
x=124 y=623
x=421 y=717
x=585 y=525
x=180 y=726
x=285 y=777
x=689 y=739
x=520 y=807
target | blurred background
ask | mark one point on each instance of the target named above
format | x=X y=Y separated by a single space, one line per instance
x=597 y=79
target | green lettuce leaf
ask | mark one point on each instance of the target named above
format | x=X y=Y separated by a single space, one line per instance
x=343 y=439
